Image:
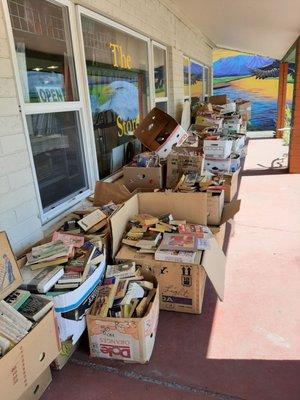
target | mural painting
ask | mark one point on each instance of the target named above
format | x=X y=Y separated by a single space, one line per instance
x=242 y=75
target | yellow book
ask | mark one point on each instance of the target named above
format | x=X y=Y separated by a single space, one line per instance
x=52 y=263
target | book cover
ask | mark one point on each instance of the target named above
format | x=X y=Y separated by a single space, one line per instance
x=186 y=257
x=68 y=239
x=17 y=298
x=91 y=219
x=105 y=299
x=36 y=307
x=121 y=270
x=173 y=241
x=149 y=240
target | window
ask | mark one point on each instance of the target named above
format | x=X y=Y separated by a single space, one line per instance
x=186 y=78
x=116 y=61
x=160 y=76
x=194 y=80
x=206 y=82
x=50 y=102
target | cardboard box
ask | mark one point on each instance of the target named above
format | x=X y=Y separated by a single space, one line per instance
x=231 y=185
x=209 y=121
x=36 y=390
x=71 y=307
x=228 y=108
x=23 y=364
x=218 y=100
x=215 y=204
x=235 y=163
x=244 y=109
x=180 y=161
x=143 y=177
x=229 y=211
x=181 y=285
x=217 y=148
x=238 y=144
x=217 y=165
x=159 y=132
x=127 y=339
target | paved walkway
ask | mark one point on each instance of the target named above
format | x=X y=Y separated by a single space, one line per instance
x=247 y=347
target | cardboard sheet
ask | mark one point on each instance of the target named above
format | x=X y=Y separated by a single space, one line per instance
x=214 y=261
x=106 y=192
x=229 y=210
x=10 y=276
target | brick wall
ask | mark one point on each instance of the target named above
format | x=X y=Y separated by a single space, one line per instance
x=19 y=214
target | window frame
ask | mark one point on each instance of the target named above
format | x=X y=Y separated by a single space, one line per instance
x=81 y=10
x=78 y=106
x=166 y=98
x=205 y=85
x=185 y=96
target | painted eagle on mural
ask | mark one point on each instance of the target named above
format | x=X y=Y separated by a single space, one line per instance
x=271 y=71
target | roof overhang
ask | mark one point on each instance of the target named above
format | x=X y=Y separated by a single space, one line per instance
x=264 y=27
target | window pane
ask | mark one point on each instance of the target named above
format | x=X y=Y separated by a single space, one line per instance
x=57 y=152
x=44 y=52
x=162 y=105
x=118 y=79
x=160 y=72
x=186 y=67
x=196 y=82
x=206 y=82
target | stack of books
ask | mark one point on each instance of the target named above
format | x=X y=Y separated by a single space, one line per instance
x=124 y=293
x=167 y=239
x=145 y=232
x=62 y=264
x=193 y=182
x=18 y=317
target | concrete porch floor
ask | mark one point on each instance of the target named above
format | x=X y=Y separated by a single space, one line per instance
x=247 y=347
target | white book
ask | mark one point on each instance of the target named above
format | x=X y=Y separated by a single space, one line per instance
x=4 y=345
x=17 y=318
x=8 y=330
x=134 y=291
x=186 y=257
x=203 y=244
x=40 y=280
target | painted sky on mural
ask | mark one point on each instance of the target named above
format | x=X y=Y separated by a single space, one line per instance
x=235 y=76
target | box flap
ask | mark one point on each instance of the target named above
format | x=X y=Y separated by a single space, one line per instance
x=186 y=115
x=218 y=100
x=229 y=210
x=10 y=276
x=155 y=128
x=191 y=207
x=106 y=192
x=119 y=220
x=213 y=262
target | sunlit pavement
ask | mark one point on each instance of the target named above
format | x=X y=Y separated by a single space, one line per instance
x=247 y=347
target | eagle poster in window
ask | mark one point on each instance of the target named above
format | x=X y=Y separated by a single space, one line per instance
x=10 y=277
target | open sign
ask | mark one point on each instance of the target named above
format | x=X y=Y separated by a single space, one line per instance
x=50 y=94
